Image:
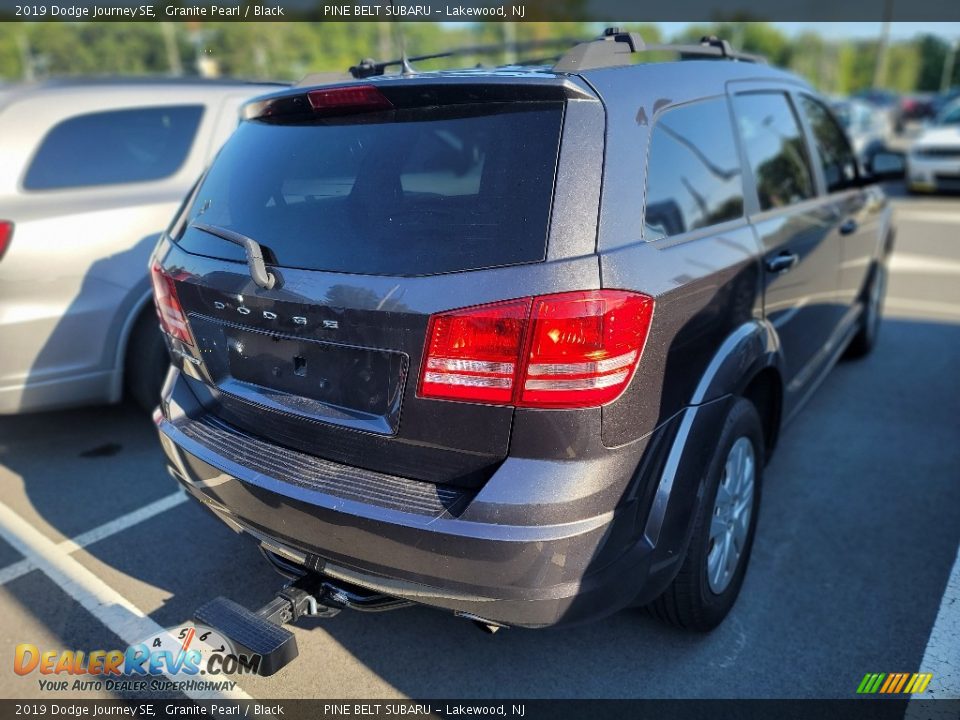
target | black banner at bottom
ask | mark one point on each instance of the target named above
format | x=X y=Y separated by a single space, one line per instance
x=854 y=709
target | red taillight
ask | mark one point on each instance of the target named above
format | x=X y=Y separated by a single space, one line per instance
x=472 y=353
x=575 y=349
x=354 y=98
x=6 y=235
x=584 y=347
x=172 y=319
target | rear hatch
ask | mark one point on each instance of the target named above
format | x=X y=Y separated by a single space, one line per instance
x=374 y=209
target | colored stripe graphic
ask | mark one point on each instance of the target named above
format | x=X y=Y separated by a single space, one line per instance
x=913 y=681
x=894 y=683
x=871 y=683
x=891 y=681
x=901 y=682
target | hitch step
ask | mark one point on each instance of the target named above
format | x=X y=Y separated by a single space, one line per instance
x=262 y=632
x=251 y=633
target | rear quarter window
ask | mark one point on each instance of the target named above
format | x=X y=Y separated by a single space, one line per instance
x=415 y=192
x=693 y=171
x=113 y=147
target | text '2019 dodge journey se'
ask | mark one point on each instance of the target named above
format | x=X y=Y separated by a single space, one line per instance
x=515 y=343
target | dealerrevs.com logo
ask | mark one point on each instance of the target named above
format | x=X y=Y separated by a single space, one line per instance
x=172 y=659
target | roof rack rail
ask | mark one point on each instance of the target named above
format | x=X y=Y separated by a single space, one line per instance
x=614 y=47
x=368 y=67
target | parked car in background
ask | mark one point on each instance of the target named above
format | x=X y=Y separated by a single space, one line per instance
x=933 y=161
x=429 y=345
x=91 y=171
x=887 y=102
x=917 y=107
x=945 y=98
x=867 y=127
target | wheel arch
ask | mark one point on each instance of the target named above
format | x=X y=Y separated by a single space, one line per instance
x=144 y=295
x=749 y=363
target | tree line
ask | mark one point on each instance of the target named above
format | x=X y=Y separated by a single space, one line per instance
x=288 y=51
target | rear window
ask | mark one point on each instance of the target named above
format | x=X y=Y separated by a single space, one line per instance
x=427 y=192
x=117 y=146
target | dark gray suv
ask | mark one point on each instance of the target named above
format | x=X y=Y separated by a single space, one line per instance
x=515 y=343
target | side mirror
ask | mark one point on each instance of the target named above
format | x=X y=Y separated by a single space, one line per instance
x=886 y=165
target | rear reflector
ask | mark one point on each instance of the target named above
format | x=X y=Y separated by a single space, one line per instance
x=172 y=320
x=350 y=99
x=569 y=350
x=6 y=235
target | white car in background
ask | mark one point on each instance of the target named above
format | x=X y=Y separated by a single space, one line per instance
x=868 y=128
x=933 y=162
x=91 y=171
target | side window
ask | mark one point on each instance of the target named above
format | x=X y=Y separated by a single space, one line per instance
x=693 y=173
x=775 y=148
x=118 y=146
x=839 y=165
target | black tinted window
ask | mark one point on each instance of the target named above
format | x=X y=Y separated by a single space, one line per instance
x=775 y=148
x=426 y=192
x=119 y=146
x=693 y=173
x=839 y=165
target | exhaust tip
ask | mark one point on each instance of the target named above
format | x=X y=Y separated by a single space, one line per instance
x=487 y=626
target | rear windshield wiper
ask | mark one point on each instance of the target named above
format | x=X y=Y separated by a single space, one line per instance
x=258 y=269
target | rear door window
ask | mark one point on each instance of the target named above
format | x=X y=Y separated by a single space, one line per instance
x=693 y=172
x=775 y=148
x=836 y=157
x=426 y=191
x=117 y=146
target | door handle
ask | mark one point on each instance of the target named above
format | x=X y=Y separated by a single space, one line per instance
x=850 y=226
x=782 y=262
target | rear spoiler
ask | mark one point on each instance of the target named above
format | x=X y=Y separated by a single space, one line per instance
x=399 y=93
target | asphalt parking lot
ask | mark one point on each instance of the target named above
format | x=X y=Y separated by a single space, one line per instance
x=855 y=568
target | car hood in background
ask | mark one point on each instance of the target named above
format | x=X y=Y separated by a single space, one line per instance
x=939 y=136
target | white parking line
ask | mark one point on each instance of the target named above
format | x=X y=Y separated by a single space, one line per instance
x=112 y=609
x=22 y=567
x=932 y=216
x=123 y=522
x=921 y=307
x=942 y=656
x=926 y=264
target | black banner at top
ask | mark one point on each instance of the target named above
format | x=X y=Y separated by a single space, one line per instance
x=604 y=11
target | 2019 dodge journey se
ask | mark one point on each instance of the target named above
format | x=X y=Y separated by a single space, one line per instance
x=516 y=343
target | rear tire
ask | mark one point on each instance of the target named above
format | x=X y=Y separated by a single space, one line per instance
x=709 y=581
x=865 y=340
x=147 y=360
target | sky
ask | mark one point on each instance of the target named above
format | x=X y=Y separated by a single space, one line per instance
x=848 y=30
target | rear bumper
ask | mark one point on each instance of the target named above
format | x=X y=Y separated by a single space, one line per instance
x=444 y=548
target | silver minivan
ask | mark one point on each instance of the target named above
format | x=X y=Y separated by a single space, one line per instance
x=91 y=171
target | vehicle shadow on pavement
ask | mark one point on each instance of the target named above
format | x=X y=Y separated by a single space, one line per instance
x=857 y=535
